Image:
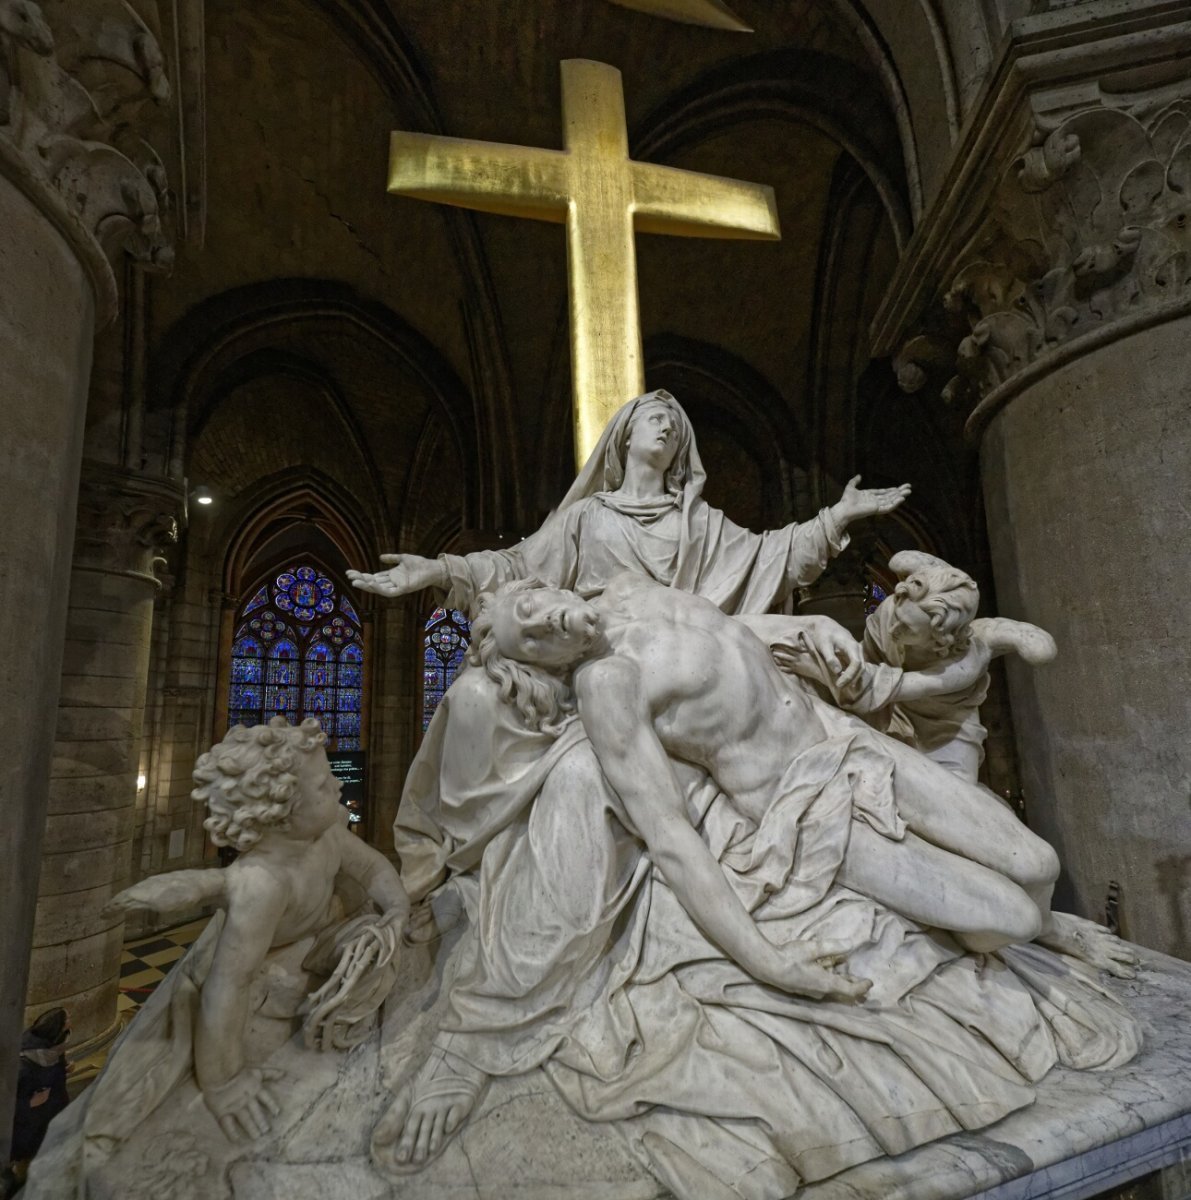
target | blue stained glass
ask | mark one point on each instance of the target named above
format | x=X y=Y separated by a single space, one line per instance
x=246 y=670
x=444 y=646
x=244 y=699
x=303 y=668
x=259 y=600
x=874 y=593
x=320 y=666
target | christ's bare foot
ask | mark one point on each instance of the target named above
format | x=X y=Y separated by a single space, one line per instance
x=426 y=1113
x=1090 y=943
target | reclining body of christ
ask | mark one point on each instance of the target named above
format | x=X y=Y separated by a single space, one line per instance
x=662 y=680
x=659 y=674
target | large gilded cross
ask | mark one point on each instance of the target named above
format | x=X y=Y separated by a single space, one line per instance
x=604 y=197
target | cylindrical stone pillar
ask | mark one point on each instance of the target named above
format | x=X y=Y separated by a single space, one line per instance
x=1087 y=476
x=61 y=214
x=47 y=319
x=88 y=839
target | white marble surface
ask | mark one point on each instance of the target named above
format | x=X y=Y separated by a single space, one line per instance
x=1083 y=1132
x=524 y=1143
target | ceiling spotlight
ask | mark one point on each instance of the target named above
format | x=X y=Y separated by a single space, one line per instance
x=202 y=495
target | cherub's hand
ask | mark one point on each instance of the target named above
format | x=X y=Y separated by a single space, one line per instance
x=245 y=1105
x=856 y=503
x=839 y=650
x=408 y=573
x=804 y=968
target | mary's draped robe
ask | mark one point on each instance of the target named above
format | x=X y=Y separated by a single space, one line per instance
x=579 y=958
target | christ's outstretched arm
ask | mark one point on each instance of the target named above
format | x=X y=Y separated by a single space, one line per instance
x=617 y=720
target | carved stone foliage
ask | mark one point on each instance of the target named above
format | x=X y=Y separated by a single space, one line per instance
x=1088 y=225
x=126 y=522
x=80 y=81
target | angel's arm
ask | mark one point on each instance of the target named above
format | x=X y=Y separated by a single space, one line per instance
x=1005 y=636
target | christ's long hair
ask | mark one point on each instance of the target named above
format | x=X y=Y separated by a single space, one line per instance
x=543 y=699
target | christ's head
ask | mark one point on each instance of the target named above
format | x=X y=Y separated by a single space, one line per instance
x=527 y=637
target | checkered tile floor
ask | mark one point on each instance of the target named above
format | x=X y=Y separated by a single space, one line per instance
x=144 y=964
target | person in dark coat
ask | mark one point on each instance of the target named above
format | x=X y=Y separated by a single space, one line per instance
x=41 y=1082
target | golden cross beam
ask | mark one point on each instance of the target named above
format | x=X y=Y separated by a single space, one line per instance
x=604 y=197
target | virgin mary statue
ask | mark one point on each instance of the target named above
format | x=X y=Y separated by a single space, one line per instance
x=637 y=505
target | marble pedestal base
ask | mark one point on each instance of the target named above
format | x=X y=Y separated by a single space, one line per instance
x=1087 y=1132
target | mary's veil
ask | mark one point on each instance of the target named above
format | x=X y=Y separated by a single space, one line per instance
x=604 y=470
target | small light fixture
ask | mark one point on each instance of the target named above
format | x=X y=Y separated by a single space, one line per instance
x=202 y=495
x=140 y=783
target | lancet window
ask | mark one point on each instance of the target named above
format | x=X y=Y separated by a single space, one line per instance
x=298 y=652
x=446 y=639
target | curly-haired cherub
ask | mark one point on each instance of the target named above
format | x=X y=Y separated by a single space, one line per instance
x=271 y=795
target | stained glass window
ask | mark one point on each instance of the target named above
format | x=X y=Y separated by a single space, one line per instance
x=445 y=642
x=298 y=652
x=874 y=593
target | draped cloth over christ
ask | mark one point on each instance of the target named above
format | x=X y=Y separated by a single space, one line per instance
x=580 y=959
x=677 y=539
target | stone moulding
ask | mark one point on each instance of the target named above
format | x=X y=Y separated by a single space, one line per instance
x=1067 y=219
x=125 y=522
x=74 y=79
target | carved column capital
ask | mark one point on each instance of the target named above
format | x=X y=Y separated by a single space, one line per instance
x=126 y=522
x=1069 y=222
x=80 y=81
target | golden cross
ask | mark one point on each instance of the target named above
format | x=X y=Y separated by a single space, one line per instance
x=604 y=197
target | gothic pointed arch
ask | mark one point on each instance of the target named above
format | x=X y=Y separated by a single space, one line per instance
x=300 y=328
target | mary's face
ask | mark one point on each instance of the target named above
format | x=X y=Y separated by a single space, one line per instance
x=653 y=436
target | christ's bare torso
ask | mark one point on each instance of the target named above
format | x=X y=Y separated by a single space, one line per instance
x=715 y=697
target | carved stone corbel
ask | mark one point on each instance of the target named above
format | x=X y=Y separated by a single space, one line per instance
x=79 y=83
x=1067 y=223
x=126 y=522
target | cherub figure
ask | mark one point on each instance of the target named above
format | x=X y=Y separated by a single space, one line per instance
x=921 y=676
x=925 y=662
x=271 y=795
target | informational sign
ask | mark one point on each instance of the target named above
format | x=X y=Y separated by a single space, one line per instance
x=348 y=766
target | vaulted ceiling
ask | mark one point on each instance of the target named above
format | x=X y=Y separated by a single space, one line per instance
x=415 y=358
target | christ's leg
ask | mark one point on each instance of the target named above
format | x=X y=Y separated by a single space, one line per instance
x=937 y=888
x=963 y=818
x=967 y=820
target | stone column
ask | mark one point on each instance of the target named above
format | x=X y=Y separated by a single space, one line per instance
x=68 y=197
x=1065 y=314
x=123 y=521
